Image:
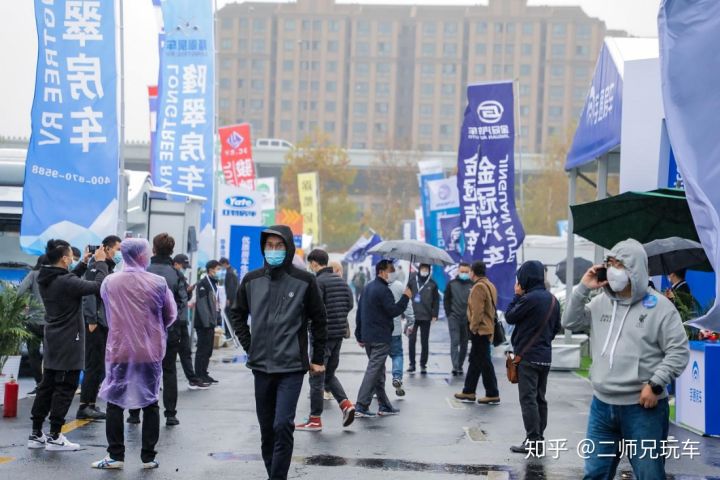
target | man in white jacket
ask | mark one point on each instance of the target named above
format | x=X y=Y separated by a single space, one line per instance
x=638 y=346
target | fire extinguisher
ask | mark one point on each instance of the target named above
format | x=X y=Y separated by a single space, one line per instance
x=11 y=398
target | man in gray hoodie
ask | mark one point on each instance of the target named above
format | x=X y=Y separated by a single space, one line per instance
x=638 y=346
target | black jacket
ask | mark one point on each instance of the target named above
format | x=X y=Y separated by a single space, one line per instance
x=93 y=308
x=231 y=283
x=283 y=302
x=429 y=305
x=62 y=292
x=376 y=311
x=528 y=312
x=338 y=300
x=206 y=307
x=182 y=315
x=456 y=298
x=163 y=266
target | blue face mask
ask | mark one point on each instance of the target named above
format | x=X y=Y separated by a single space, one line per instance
x=74 y=264
x=275 y=258
x=220 y=274
x=464 y=276
x=117 y=258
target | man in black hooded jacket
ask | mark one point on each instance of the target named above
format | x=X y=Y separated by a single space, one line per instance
x=283 y=302
x=64 y=343
x=536 y=315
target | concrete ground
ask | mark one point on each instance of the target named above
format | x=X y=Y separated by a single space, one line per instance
x=434 y=437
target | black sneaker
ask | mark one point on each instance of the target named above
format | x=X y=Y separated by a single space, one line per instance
x=423 y=370
x=210 y=379
x=172 y=421
x=198 y=385
x=133 y=419
x=90 y=413
x=32 y=392
x=411 y=369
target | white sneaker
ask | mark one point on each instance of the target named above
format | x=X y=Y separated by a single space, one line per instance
x=328 y=396
x=150 y=465
x=108 y=463
x=35 y=442
x=61 y=444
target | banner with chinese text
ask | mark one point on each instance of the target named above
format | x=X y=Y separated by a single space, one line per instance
x=182 y=157
x=236 y=155
x=486 y=180
x=246 y=251
x=310 y=204
x=72 y=166
x=235 y=206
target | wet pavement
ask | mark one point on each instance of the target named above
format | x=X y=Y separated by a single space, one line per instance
x=434 y=437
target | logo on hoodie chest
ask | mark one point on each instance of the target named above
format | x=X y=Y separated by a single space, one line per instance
x=641 y=320
x=605 y=319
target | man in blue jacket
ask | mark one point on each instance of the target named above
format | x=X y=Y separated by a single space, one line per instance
x=373 y=331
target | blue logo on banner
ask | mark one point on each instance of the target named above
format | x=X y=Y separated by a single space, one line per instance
x=695 y=370
x=240 y=202
x=235 y=140
x=72 y=157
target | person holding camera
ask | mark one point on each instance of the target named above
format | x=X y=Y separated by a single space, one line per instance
x=638 y=347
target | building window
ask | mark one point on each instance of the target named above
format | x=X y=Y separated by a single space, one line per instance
x=317 y=25
x=258 y=66
x=333 y=46
x=360 y=108
x=315 y=86
x=498 y=49
x=557 y=92
x=525 y=70
x=330 y=107
x=259 y=46
x=559 y=30
x=524 y=111
x=256 y=104
x=333 y=25
x=288 y=45
x=226 y=44
x=527 y=49
x=481 y=27
x=524 y=90
x=332 y=66
x=227 y=23
x=240 y=83
x=362 y=87
x=259 y=25
x=287 y=85
x=426 y=109
x=242 y=64
x=427 y=69
x=384 y=48
x=240 y=105
x=243 y=23
x=257 y=85
x=224 y=83
x=551 y=131
x=242 y=45
x=428 y=49
x=426 y=89
x=362 y=68
x=480 y=69
x=509 y=70
x=528 y=28
x=581 y=72
x=331 y=86
x=480 y=49
x=384 y=28
x=510 y=28
x=381 y=128
x=290 y=25
x=447 y=109
x=382 y=68
x=425 y=129
x=448 y=88
x=450 y=49
x=558 y=50
x=382 y=88
x=498 y=27
x=226 y=63
x=450 y=29
x=285 y=126
x=583 y=31
x=359 y=127
x=363 y=27
x=496 y=70
x=306 y=25
x=449 y=69
x=446 y=129
x=362 y=48
x=581 y=50
x=429 y=28
x=288 y=65
x=382 y=107
x=557 y=71
x=329 y=126
x=286 y=105
x=579 y=93
x=509 y=49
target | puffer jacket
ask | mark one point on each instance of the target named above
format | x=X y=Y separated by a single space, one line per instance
x=338 y=300
x=283 y=302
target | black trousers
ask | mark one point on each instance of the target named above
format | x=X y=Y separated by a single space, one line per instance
x=185 y=353
x=327 y=380
x=532 y=384
x=34 y=356
x=115 y=432
x=481 y=364
x=95 y=343
x=169 y=367
x=424 y=328
x=203 y=352
x=54 y=396
x=276 y=397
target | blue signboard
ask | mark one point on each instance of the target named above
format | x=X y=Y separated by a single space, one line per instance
x=486 y=184
x=71 y=172
x=245 y=249
x=182 y=155
x=598 y=129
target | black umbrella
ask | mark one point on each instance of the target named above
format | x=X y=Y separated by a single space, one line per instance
x=669 y=255
x=580 y=266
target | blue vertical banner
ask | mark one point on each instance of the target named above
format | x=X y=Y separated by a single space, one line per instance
x=486 y=184
x=443 y=203
x=183 y=153
x=71 y=171
x=245 y=249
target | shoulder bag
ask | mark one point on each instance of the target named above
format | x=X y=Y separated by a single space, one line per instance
x=513 y=360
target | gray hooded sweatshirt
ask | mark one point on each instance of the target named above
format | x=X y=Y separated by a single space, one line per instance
x=633 y=340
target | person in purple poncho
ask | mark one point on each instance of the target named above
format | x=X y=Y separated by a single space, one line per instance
x=140 y=307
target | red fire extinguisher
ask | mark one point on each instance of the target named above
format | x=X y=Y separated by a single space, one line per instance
x=11 y=398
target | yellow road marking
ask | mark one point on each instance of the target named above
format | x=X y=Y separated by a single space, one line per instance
x=70 y=426
x=6 y=460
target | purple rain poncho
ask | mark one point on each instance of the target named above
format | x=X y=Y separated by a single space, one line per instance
x=139 y=308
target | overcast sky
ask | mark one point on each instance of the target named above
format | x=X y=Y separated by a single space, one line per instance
x=18 y=51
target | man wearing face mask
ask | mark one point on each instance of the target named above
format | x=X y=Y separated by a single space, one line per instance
x=426 y=306
x=284 y=303
x=96 y=335
x=455 y=302
x=638 y=346
x=207 y=317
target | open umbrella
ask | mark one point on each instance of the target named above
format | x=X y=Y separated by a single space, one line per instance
x=669 y=255
x=580 y=266
x=412 y=250
x=644 y=216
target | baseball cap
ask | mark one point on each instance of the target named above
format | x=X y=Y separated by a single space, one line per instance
x=182 y=259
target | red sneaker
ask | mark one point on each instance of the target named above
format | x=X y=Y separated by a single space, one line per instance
x=313 y=424
x=348 y=411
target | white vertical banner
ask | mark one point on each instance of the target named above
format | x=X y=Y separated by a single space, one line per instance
x=236 y=206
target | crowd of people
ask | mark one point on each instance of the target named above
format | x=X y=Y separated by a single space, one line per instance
x=126 y=329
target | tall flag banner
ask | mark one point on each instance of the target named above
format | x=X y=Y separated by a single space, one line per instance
x=486 y=182
x=153 y=106
x=359 y=250
x=267 y=189
x=294 y=220
x=72 y=166
x=310 y=203
x=236 y=155
x=443 y=202
x=246 y=252
x=689 y=32
x=236 y=206
x=182 y=156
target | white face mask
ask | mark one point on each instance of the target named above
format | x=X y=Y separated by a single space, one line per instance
x=392 y=277
x=617 y=278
